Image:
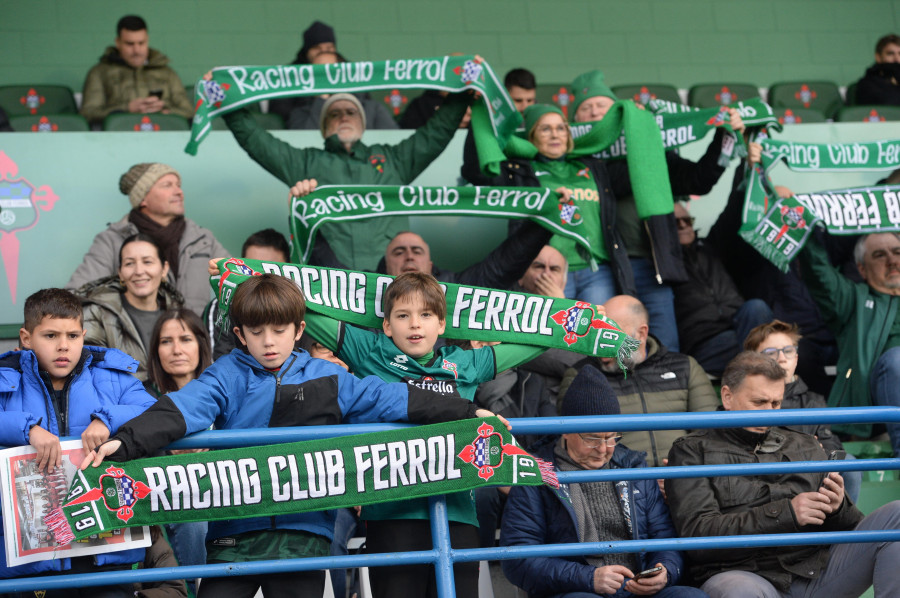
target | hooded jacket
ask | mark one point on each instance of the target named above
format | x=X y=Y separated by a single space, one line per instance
x=101 y=387
x=545 y=515
x=113 y=83
x=107 y=324
x=196 y=248
x=236 y=392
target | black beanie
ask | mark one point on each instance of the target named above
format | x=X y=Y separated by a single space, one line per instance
x=590 y=394
x=318 y=33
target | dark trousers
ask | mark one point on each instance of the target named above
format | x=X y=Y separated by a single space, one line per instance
x=281 y=585
x=409 y=581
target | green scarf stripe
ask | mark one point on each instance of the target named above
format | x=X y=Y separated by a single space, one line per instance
x=298 y=477
x=832 y=157
x=236 y=86
x=646 y=161
x=473 y=313
x=355 y=202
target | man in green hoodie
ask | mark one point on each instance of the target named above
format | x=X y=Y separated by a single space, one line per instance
x=133 y=77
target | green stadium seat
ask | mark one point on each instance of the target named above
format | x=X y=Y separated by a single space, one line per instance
x=395 y=100
x=145 y=122
x=798 y=116
x=643 y=93
x=268 y=121
x=850 y=98
x=27 y=100
x=823 y=96
x=555 y=94
x=50 y=123
x=710 y=95
x=874 y=114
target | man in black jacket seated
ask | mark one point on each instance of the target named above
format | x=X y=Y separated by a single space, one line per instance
x=773 y=504
x=881 y=83
x=713 y=318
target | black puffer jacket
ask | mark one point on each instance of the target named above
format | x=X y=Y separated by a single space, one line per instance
x=707 y=302
x=740 y=505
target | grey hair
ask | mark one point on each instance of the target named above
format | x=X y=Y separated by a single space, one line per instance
x=859 y=250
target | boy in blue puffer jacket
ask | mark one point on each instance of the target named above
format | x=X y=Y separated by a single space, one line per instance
x=56 y=387
x=268 y=384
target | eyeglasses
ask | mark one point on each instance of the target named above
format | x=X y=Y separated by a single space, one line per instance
x=338 y=113
x=773 y=352
x=597 y=441
x=547 y=130
x=685 y=220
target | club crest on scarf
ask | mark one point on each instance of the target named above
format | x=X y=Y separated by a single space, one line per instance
x=214 y=92
x=791 y=218
x=470 y=71
x=719 y=119
x=487 y=450
x=577 y=321
x=118 y=492
x=568 y=213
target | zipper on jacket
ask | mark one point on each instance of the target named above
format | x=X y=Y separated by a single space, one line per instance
x=651 y=432
x=659 y=279
x=281 y=372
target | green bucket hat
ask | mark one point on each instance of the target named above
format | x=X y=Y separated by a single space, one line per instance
x=589 y=85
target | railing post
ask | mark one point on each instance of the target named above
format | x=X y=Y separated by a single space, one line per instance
x=440 y=537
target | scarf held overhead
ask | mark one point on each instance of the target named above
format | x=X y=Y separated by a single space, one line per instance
x=314 y=475
x=354 y=202
x=235 y=87
x=473 y=313
x=646 y=160
x=779 y=227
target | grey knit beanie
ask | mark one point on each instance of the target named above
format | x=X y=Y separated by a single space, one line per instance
x=590 y=394
x=347 y=97
x=137 y=181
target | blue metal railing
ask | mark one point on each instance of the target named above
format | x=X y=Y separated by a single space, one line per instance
x=443 y=556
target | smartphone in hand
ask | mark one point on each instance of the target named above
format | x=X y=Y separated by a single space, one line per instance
x=648 y=573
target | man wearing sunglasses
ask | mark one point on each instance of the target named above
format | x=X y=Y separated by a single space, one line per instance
x=713 y=318
x=606 y=511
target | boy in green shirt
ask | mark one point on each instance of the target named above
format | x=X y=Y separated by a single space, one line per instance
x=415 y=316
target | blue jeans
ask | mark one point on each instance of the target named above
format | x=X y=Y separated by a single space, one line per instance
x=345 y=525
x=188 y=542
x=714 y=353
x=851 y=569
x=852 y=481
x=883 y=384
x=593 y=286
x=670 y=592
x=598 y=286
x=659 y=301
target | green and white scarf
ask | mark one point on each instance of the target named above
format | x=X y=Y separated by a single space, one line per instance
x=646 y=160
x=473 y=313
x=314 y=475
x=235 y=87
x=832 y=157
x=778 y=228
x=355 y=202
x=680 y=125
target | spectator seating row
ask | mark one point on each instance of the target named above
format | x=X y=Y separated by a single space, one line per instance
x=53 y=107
